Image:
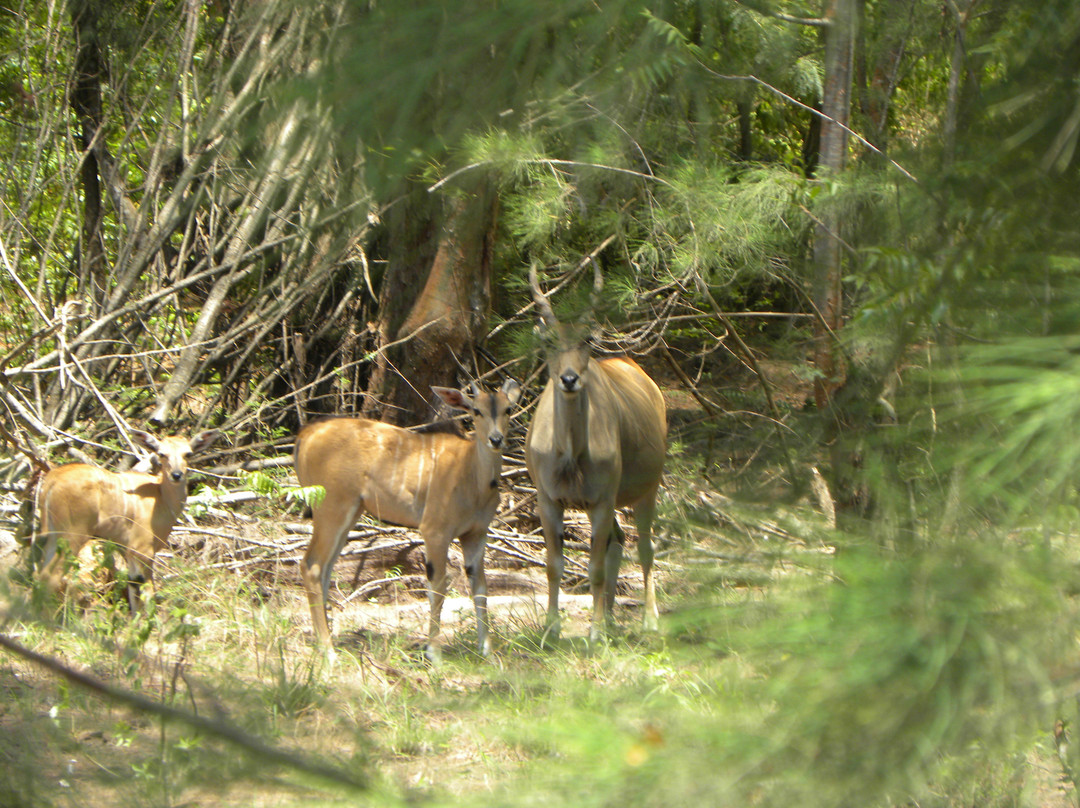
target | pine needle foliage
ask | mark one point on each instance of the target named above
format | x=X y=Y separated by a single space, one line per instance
x=729 y=224
x=1022 y=399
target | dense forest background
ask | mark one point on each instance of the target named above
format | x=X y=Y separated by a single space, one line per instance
x=845 y=230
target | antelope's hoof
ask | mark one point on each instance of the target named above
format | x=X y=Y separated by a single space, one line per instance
x=551 y=634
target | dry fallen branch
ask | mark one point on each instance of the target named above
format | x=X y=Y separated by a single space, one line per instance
x=331 y=775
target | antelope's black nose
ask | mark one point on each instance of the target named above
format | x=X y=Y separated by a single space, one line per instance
x=495 y=441
x=177 y=475
x=569 y=380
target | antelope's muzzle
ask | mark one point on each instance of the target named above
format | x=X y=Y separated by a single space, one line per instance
x=570 y=381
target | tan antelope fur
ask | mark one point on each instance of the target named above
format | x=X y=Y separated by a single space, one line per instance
x=444 y=485
x=135 y=511
x=596 y=443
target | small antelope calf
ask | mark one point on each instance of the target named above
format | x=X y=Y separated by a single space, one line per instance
x=443 y=485
x=135 y=511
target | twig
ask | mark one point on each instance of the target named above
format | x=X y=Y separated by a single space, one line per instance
x=687 y=383
x=370 y=586
x=812 y=111
x=227 y=732
x=22 y=286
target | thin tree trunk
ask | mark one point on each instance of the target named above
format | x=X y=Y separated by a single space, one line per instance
x=836 y=107
x=877 y=74
x=746 y=129
x=86 y=104
x=956 y=74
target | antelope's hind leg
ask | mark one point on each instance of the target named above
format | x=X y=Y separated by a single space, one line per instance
x=644 y=513
x=330 y=527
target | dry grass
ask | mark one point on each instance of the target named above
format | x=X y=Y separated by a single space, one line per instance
x=537 y=723
x=237 y=645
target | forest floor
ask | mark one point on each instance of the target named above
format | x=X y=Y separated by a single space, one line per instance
x=232 y=642
x=233 y=638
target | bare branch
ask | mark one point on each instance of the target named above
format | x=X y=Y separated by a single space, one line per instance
x=812 y=111
x=331 y=775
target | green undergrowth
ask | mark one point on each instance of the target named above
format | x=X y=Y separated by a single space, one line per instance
x=852 y=677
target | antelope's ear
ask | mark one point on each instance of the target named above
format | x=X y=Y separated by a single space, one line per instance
x=203 y=440
x=512 y=390
x=146 y=439
x=453 y=398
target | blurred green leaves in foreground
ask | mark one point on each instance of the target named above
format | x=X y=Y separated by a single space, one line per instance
x=927 y=679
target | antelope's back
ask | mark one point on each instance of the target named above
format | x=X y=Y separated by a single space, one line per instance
x=324 y=449
x=389 y=468
x=85 y=500
x=642 y=419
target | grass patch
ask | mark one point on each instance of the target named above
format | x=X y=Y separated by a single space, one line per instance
x=851 y=679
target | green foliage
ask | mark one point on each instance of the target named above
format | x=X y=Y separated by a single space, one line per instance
x=297 y=685
x=920 y=664
x=536 y=218
x=808 y=77
x=910 y=660
x=1021 y=394
x=478 y=65
x=267 y=485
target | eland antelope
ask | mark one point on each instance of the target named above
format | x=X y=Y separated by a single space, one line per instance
x=135 y=511
x=597 y=443
x=444 y=485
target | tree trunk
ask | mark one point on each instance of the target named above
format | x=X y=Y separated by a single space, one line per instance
x=61 y=399
x=86 y=104
x=745 y=107
x=956 y=73
x=433 y=305
x=835 y=107
x=877 y=75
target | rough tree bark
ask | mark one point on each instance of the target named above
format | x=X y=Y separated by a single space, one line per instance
x=434 y=302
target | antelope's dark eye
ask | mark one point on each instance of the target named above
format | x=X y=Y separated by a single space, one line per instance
x=509 y=410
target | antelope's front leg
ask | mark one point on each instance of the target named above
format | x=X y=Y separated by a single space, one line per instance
x=140 y=569
x=473 y=546
x=435 y=568
x=605 y=555
x=551 y=520
x=51 y=565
